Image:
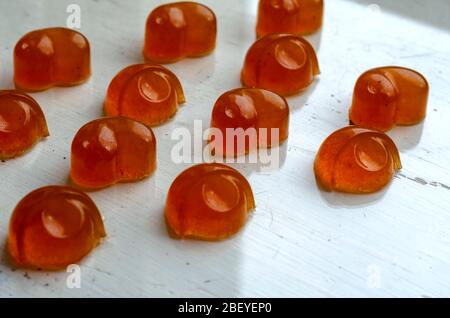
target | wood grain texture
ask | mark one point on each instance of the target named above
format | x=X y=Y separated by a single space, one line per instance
x=300 y=241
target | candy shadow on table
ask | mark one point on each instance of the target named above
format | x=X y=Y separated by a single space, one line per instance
x=209 y=269
x=37 y=282
x=184 y=68
x=338 y=200
x=7 y=262
x=202 y=268
x=315 y=39
x=193 y=73
x=298 y=101
x=435 y=15
x=247 y=168
x=5 y=259
x=407 y=137
x=121 y=184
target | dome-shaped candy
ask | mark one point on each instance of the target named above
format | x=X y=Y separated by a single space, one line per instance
x=386 y=96
x=51 y=57
x=53 y=227
x=145 y=92
x=289 y=16
x=209 y=202
x=356 y=160
x=282 y=63
x=22 y=123
x=110 y=150
x=177 y=30
x=248 y=118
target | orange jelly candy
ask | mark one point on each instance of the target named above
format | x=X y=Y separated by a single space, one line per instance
x=22 y=123
x=51 y=57
x=53 y=227
x=289 y=16
x=178 y=30
x=144 y=92
x=282 y=63
x=208 y=202
x=253 y=116
x=110 y=150
x=386 y=96
x=356 y=160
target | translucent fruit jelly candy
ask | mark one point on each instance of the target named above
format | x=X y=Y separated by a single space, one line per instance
x=208 y=202
x=110 y=150
x=178 y=30
x=53 y=227
x=145 y=92
x=51 y=57
x=356 y=160
x=282 y=63
x=253 y=117
x=290 y=16
x=391 y=95
x=22 y=123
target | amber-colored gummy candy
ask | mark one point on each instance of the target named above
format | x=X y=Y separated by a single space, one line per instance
x=390 y=95
x=53 y=227
x=177 y=30
x=356 y=160
x=289 y=16
x=252 y=116
x=110 y=150
x=282 y=63
x=22 y=123
x=208 y=202
x=145 y=92
x=51 y=57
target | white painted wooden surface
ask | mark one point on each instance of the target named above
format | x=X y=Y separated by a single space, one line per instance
x=300 y=241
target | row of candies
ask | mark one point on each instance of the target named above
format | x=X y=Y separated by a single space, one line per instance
x=58 y=225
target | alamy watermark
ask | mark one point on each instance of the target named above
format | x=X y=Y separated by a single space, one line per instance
x=73 y=20
x=234 y=145
x=74 y=278
x=374 y=276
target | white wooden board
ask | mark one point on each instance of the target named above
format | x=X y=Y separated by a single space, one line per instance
x=300 y=241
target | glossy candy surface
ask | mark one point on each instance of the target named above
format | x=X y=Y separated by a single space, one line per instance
x=148 y=93
x=386 y=96
x=22 y=123
x=208 y=202
x=110 y=150
x=356 y=160
x=53 y=227
x=177 y=30
x=51 y=57
x=260 y=114
x=283 y=63
x=289 y=16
